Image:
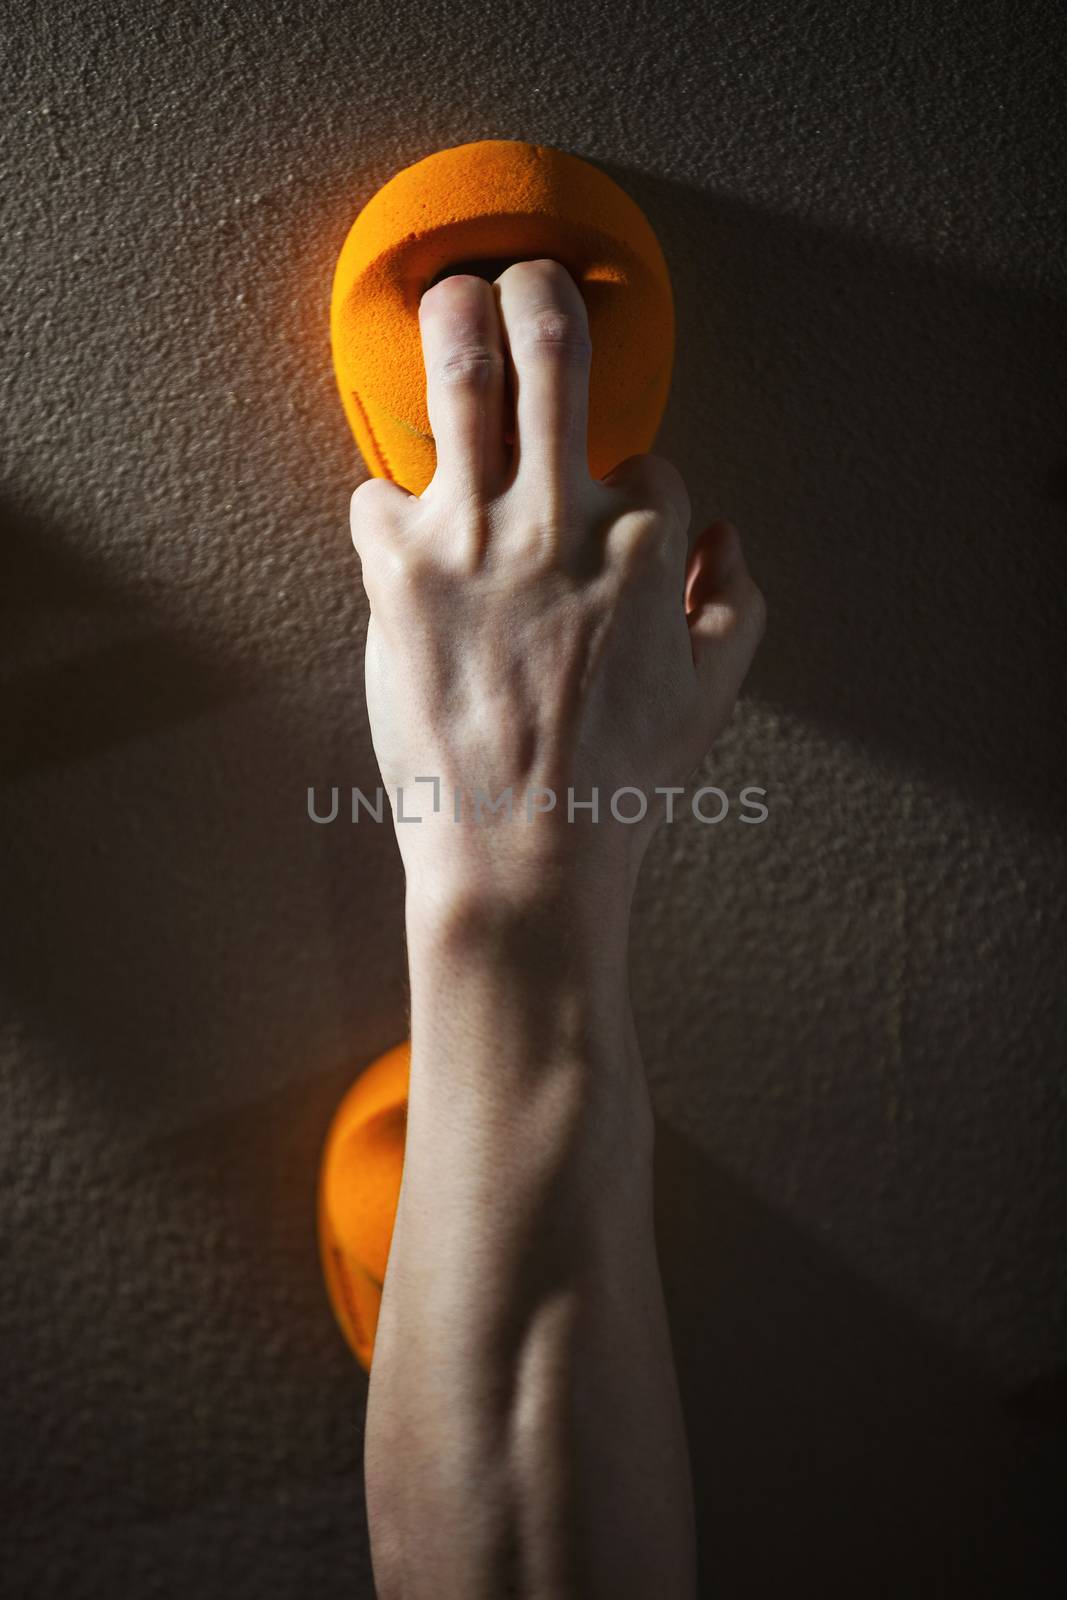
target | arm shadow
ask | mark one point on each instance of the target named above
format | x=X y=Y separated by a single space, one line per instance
x=838 y=1447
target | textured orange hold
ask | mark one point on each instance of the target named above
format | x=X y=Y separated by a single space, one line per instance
x=359 y=1184
x=498 y=199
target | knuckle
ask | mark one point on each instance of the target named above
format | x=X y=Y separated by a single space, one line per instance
x=367 y=493
x=400 y=573
x=377 y=498
x=653 y=479
x=541 y=538
x=670 y=487
x=412 y=568
x=558 y=333
x=637 y=539
x=469 y=529
x=470 y=365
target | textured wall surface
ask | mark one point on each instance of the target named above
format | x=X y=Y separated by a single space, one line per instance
x=854 y=1015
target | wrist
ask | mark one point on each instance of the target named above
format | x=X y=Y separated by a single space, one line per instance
x=578 y=871
x=510 y=990
x=548 y=928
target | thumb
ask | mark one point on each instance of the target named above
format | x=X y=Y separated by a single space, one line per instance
x=727 y=617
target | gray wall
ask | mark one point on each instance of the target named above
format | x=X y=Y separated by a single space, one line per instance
x=853 y=1016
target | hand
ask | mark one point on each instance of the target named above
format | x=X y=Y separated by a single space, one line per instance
x=533 y=628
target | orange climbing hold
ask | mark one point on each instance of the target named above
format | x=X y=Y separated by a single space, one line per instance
x=503 y=200
x=359 y=1183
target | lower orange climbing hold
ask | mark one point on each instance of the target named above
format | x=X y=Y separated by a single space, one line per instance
x=499 y=200
x=359 y=1184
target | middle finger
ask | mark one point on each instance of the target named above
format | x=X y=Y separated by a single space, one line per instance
x=546 y=328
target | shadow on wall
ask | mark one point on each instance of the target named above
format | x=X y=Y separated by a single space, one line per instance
x=891 y=438
x=158 y=871
x=103 y=692
x=836 y=1449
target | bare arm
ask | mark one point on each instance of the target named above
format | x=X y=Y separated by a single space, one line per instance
x=536 y=630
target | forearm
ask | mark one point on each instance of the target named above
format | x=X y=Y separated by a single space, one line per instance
x=524 y=1435
x=531 y=627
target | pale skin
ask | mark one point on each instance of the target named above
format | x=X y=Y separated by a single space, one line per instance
x=535 y=628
